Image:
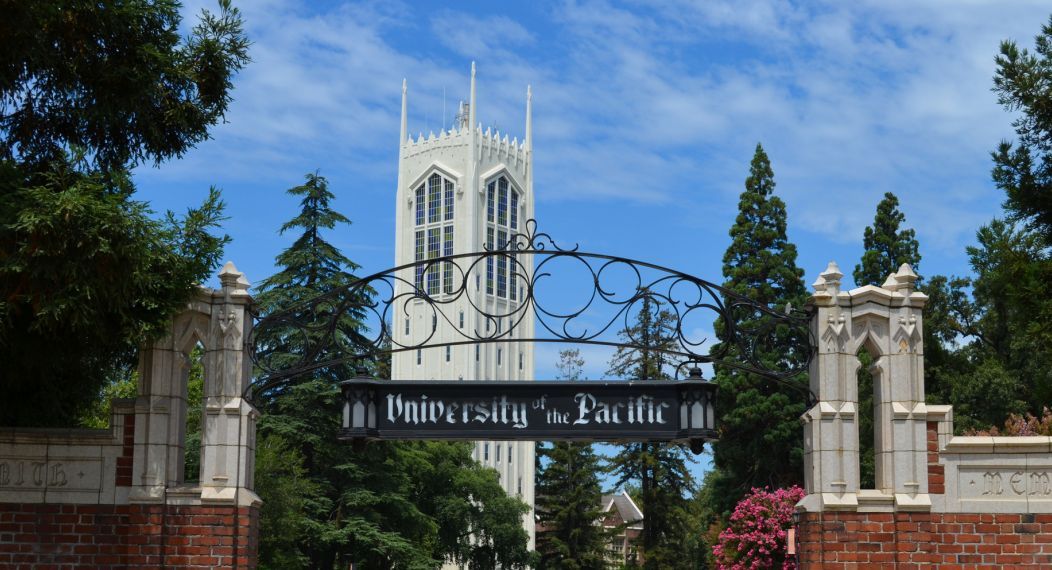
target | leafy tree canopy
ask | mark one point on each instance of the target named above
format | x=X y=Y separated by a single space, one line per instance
x=389 y=505
x=115 y=78
x=88 y=89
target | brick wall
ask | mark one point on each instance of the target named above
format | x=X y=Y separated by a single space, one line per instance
x=920 y=540
x=41 y=536
x=936 y=471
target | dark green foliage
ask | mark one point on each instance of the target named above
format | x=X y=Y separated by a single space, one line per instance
x=1024 y=169
x=568 y=508
x=1001 y=319
x=281 y=478
x=87 y=269
x=389 y=505
x=123 y=385
x=659 y=469
x=195 y=398
x=1002 y=365
x=116 y=78
x=887 y=246
x=761 y=443
x=88 y=89
x=310 y=267
x=569 y=495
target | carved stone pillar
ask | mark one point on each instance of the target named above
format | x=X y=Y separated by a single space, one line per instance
x=219 y=320
x=831 y=425
x=887 y=321
x=229 y=426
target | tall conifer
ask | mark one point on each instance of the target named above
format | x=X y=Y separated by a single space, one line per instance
x=660 y=470
x=761 y=443
x=887 y=246
x=569 y=536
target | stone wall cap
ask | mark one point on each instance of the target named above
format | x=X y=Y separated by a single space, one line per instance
x=938 y=412
x=970 y=444
x=1023 y=444
x=53 y=436
x=999 y=444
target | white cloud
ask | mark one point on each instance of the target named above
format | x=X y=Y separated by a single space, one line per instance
x=648 y=103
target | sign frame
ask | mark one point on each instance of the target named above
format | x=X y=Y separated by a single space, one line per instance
x=539 y=410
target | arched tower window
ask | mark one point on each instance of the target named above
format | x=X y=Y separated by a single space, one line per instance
x=502 y=221
x=434 y=233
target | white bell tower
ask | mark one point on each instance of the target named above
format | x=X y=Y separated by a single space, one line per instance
x=461 y=191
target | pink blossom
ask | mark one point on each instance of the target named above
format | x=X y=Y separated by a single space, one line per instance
x=756 y=536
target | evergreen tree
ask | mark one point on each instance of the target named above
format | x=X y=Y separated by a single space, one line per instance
x=1007 y=352
x=568 y=506
x=659 y=469
x=309 y=268
x=1024 y=170
x=887 y=247
x=391 y=505
x=87 y=90
x=761 y=443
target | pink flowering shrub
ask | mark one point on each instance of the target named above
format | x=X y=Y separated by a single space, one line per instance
x=756 y=536
x=1021 y=425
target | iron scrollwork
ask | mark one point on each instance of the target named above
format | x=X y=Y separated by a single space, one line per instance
x=774 y=343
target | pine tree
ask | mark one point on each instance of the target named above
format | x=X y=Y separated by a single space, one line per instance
x=886 y=246
x=312 y=267
x=659 y=469
x=569 y=535
x=1025 y=171
x=761 y=443
x=301 y=417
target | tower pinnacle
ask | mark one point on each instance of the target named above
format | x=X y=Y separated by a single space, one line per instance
x=529 y=119
x=471 y=104
x=404 y=131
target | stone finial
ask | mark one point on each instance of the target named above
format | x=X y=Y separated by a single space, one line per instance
x=832 y=277
x=891 y=284
x=232 y=279
x=819 y=285
x=906 y=277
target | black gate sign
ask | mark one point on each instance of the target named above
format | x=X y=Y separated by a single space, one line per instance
x=529 y=410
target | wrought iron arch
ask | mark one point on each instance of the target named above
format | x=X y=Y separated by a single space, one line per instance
x=773 y=342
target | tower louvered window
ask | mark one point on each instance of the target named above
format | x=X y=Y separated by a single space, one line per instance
x=502 y=222
x=434 y=209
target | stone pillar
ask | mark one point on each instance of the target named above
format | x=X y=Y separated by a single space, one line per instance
x=831 y=426
x=229 y=426
x=908 y=414
x=887 y=321
x=221 y=321
x=161 y=406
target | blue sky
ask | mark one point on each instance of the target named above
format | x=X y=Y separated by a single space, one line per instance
x=646 y=115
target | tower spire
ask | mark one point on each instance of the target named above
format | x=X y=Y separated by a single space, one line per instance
x=529 y=119
x=405 y=135
x=471 y=105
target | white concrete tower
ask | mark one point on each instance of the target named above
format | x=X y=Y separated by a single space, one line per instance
x=461 y=191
